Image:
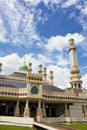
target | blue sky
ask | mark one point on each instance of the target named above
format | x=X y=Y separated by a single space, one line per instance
x=39 y=30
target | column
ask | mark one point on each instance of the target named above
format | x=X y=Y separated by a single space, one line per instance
x=17 y=113
x=85 y=111
x=50 y=111
x=43 y=110
x=7 y=109
x=39 y=111
x=66 y=114
x=26 y=109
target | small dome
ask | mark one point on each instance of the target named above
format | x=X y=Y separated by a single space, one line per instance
x=23 y=67
x=71 y=41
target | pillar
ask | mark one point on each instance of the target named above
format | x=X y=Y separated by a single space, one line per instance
x=26 y=109
x=7 y=109
x=39 y=111
x=43 y=110
x=50 y=111
x=17 y=112
x=66 y=114
x=85 y=111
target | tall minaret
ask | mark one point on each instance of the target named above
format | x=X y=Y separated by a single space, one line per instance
x=75 y=76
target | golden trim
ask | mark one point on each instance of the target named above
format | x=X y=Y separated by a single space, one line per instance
x=75 y=76
x=74 y=66
x=72 y=48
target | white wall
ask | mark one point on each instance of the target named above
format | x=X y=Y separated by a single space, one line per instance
x=17 y=121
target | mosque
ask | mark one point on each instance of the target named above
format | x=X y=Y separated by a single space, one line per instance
x=27 y=94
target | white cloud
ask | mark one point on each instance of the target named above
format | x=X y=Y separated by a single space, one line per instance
x=46 y=2
x=18 y=22
x=84 y=78
x=77 y=12
x=62 y=61
x=43 y=59
x=60 y=42
x=61 y=75
x=69 y=3
x=2 y=32
x=33 y=2
x=12 y=62
x=83 y=8
x=21 y=24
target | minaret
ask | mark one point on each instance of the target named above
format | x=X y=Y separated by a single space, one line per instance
x=51 y=77
x=0 y=67
x=75 y=76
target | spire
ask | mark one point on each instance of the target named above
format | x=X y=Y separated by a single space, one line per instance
x=75 y=76
x=40 y=69
x=44 y=73
x=51 y=77
x=0 y=67
x=30 y=67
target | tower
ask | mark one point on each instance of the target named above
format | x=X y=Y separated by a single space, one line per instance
x=75 y=76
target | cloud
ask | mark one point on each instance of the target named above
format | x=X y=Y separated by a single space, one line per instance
x=61 y=75
x=46 y=2
x=62 y=61
x=83 y=17
x=10 y=65
x=60 y=42
x=84 y=78
x=33 y=2
x=83 y=8
x=2 y=32
x=18 y=22
x=77 y=10
x=69 y=3
x=43 y=58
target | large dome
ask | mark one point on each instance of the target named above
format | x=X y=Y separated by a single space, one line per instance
x=23 y=67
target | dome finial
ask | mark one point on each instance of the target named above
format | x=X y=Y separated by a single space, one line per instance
x=71 y=41
x=23 y=66
x=24 y=60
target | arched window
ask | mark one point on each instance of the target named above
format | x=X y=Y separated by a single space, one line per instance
x=79 y=85
x=34 y=90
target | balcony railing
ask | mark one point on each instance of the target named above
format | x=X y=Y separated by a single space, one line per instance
x=57 y=96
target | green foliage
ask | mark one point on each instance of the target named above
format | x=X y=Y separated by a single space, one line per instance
x=3 y=127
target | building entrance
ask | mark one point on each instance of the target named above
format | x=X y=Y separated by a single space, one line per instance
x=7 y=108
x=3 y=109
x=33 y=110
